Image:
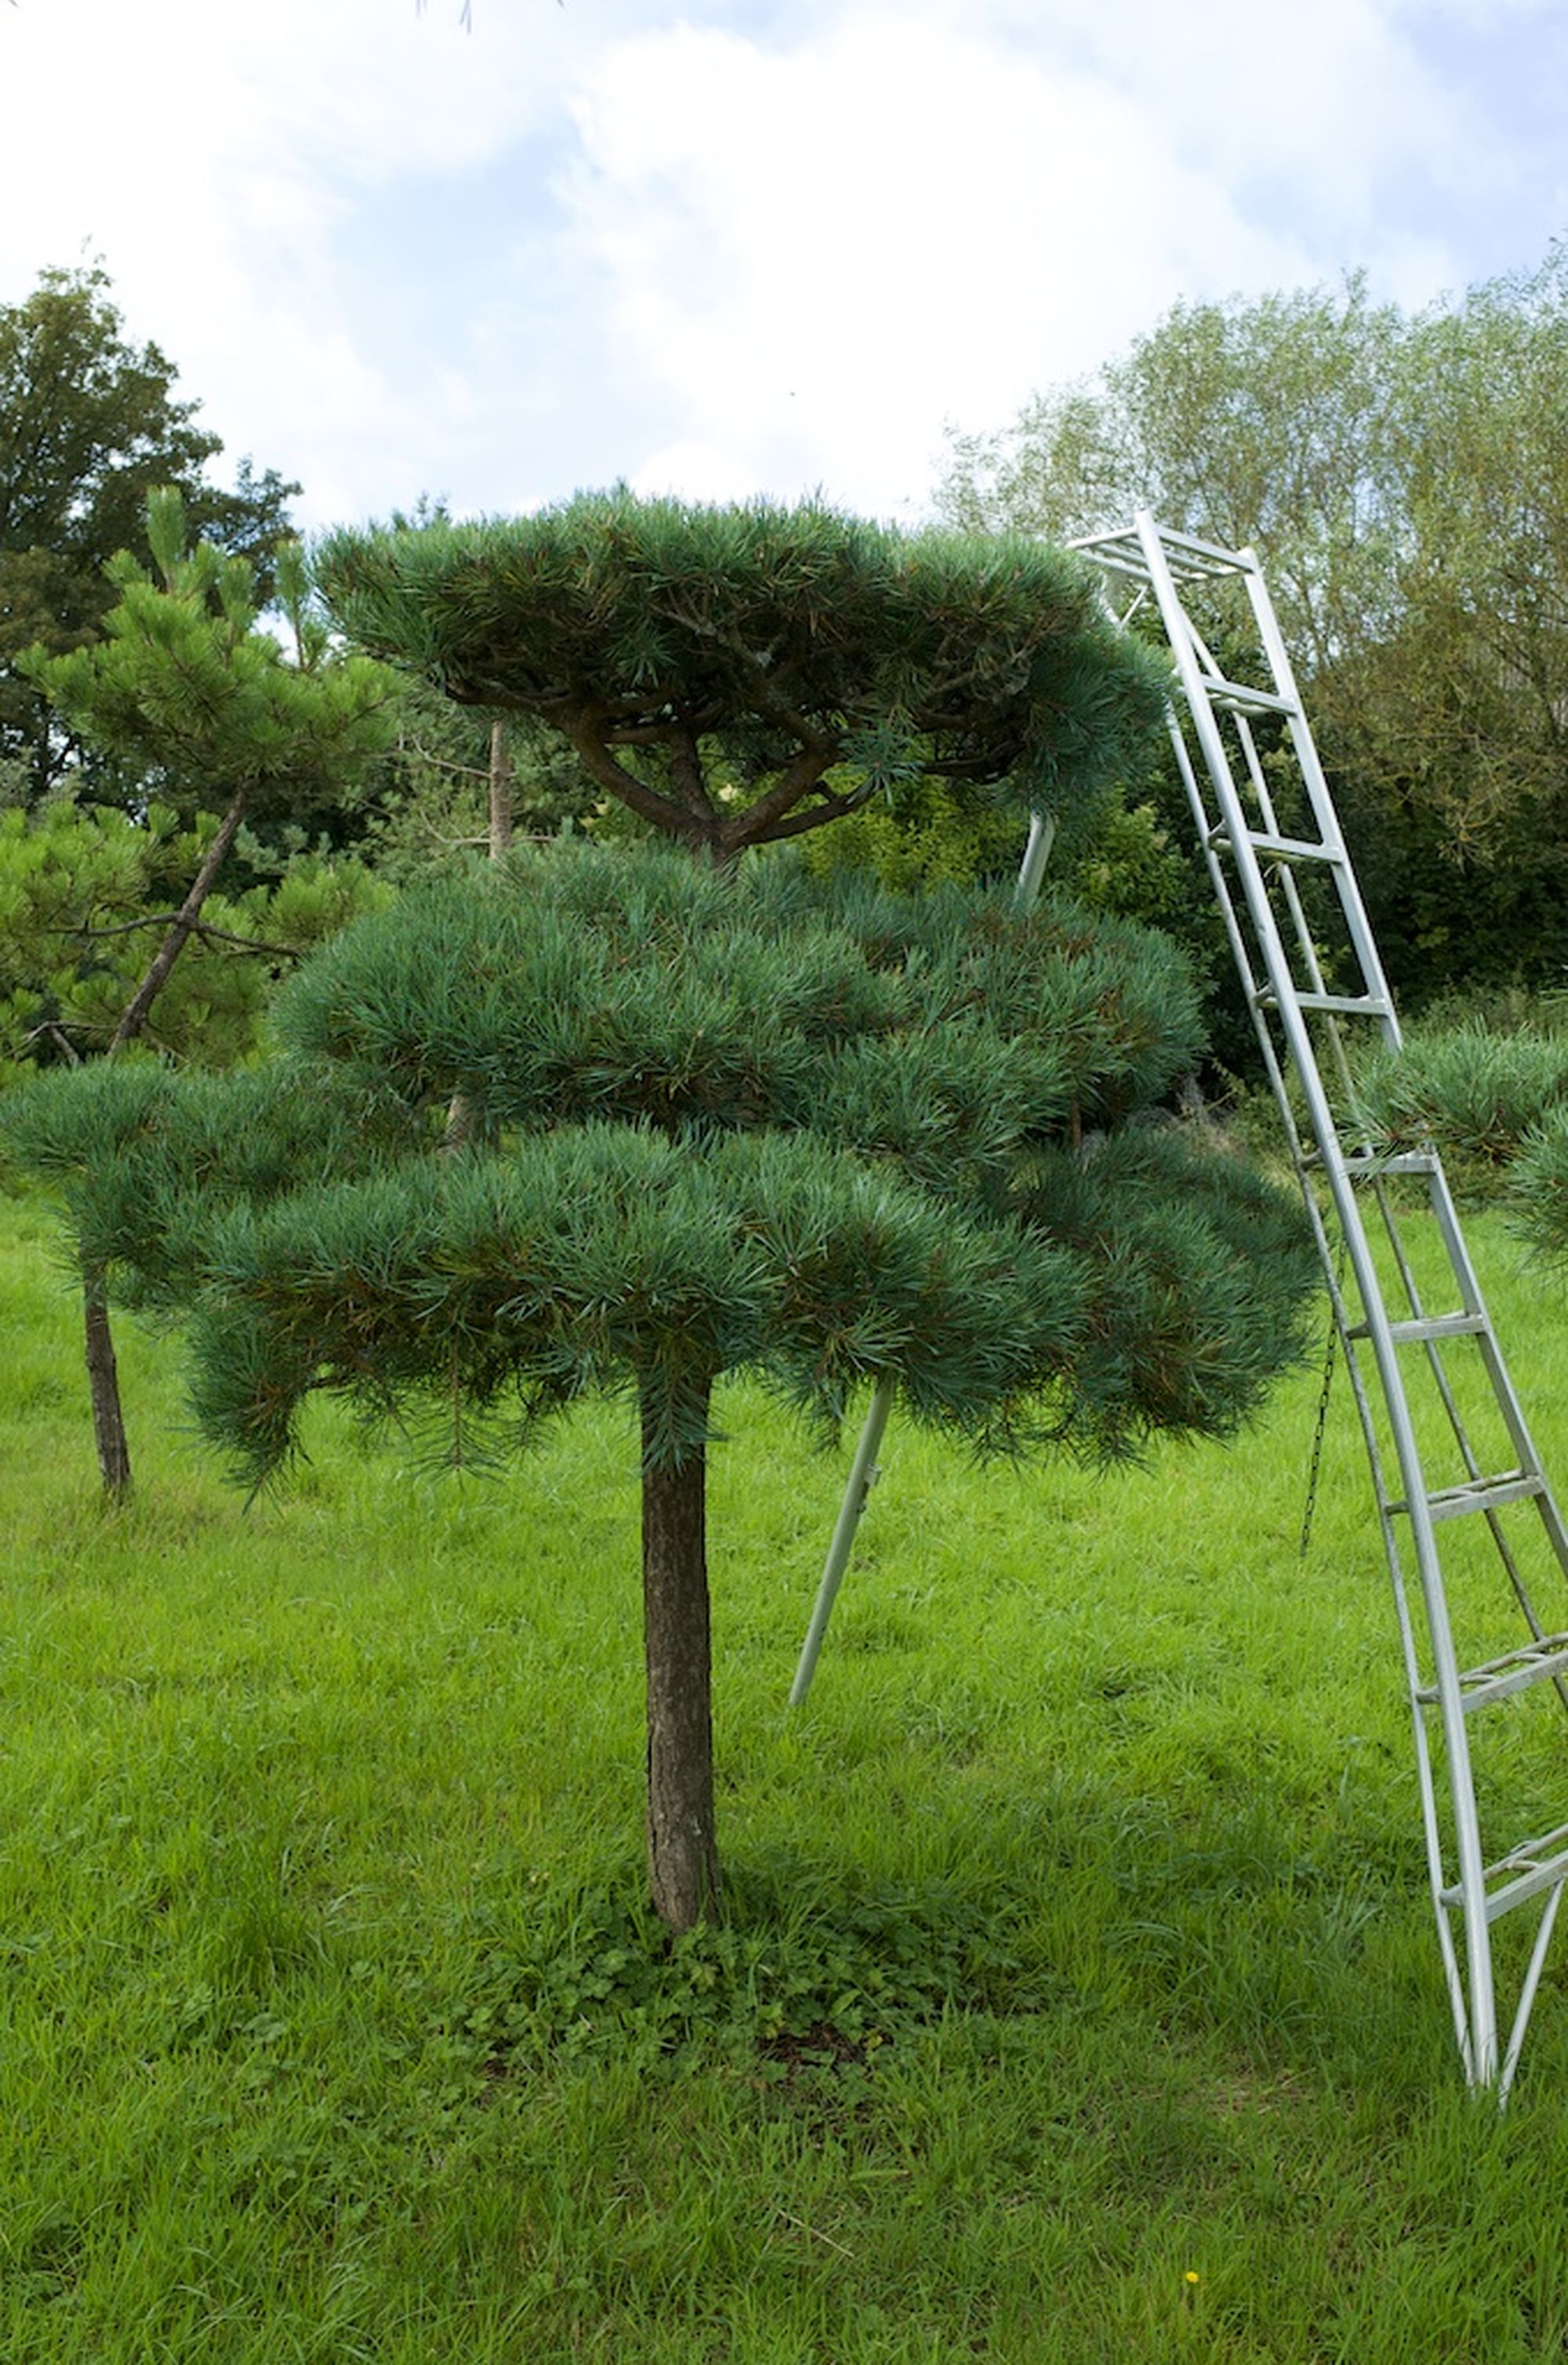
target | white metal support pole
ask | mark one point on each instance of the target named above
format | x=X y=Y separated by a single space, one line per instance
x=863 y=1475
x=862 y=1471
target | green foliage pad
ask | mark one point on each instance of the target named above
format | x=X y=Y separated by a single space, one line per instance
x=742 y=675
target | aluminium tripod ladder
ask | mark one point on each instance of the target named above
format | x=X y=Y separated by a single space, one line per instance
x=1453 y=1459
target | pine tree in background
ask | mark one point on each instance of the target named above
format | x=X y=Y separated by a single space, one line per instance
x=206 y=710
x=80 y=891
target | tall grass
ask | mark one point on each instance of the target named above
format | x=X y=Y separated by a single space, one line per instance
x=1079 y=1999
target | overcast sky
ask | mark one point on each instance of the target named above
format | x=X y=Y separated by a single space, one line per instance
x=749 y=246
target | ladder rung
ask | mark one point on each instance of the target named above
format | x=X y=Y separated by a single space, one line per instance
x=1429 y=1325
x=1480 y=1494
x=1348 y=1005
x=1285 y=849
x=1188 y=558
x=1532 y=1662
x=1235 y=698
x=1404 y=1161
x=1535 y=1868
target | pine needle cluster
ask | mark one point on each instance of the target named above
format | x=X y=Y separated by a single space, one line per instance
x=712 y=1121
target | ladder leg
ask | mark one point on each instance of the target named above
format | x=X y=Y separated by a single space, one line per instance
x=862 y=1477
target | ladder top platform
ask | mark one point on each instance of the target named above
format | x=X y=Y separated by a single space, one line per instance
x=1189 y=559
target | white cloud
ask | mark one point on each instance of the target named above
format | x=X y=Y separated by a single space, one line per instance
x=824 y=253
x=770 y=245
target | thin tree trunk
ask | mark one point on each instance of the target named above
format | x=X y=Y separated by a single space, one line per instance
x=102 y=1387
x=103 y=1371
x=180 y=926
x=500 y=788
x=683 y=1857
x=461 y=1114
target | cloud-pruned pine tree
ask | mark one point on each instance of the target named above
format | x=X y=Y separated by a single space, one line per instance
x=719 y=1121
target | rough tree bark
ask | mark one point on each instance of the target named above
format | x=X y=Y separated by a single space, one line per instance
x=683 y=1858
x=103 y=1372
x=102 y=1387
x=500 y=788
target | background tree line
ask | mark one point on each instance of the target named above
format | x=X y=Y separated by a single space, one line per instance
x=1404 y=479
x=112 y=803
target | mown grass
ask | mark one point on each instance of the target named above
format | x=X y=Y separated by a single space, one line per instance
x=1079 y=1999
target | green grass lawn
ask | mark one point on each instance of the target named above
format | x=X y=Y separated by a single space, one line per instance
x=1079 y=1999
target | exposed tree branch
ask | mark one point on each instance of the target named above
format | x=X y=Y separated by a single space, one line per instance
x=203 y=928
x=182 y=926
x=799 y=777
x=827 y=807
x=584 y=730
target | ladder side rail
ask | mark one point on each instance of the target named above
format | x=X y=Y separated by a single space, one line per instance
x=1316 y=785
x=1471 y=1292
x=1509 y=1405
x=1527 y=1993
x=1414 y=1676
x=1406 y=1453
x=1473 y=1303
x=1241 y=953
x=1470 y=1296
x=1374 y=984
x=1317 y=982
x=1208 y=836
x=1504 y=1395
x=1459 y=2000
x=1291 y=895
x=1502 y=1391
x=1331 y=850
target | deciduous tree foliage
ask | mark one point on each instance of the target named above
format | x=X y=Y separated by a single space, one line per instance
x=722 y=1122
x=90 y=425
x=1404 y=479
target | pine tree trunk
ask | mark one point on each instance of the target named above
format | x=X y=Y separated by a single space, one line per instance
x=102 y=1387
x=501 y=789
x=181 y=926
x=103 y=1371
x=683 y=1858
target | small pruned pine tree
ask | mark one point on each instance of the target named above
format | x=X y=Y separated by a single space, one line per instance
x=719 y=1122
x=192 y=698
x=209 y=709
x=1494 y=1100
x=1537 y=1184
x=740 y=676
